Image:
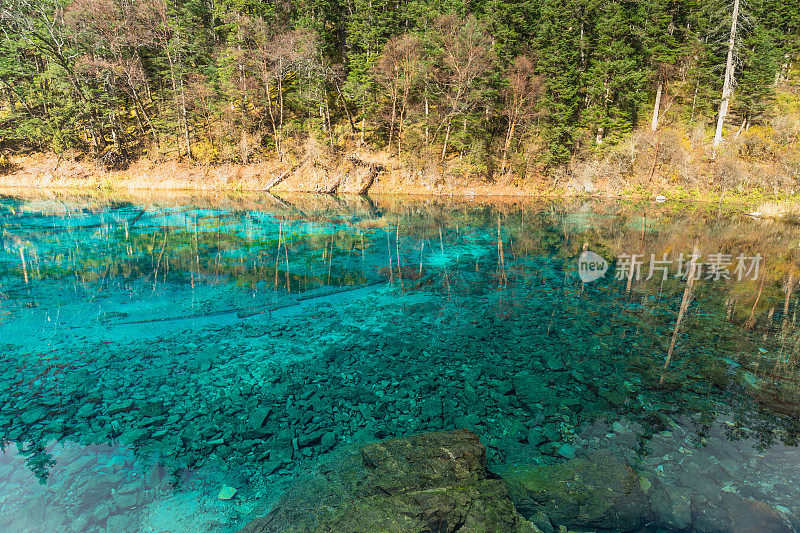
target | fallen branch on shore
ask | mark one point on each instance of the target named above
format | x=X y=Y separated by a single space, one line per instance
x=373 y=170
x=282 y=177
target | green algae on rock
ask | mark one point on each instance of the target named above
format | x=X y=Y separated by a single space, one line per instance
x=428 y=482
x=599 y=491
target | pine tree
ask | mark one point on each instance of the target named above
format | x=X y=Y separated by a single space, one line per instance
x=616 y=72
x=368 y=25
x=561 y=57
x=666 y=44
x=758 y=59
x=509 y=22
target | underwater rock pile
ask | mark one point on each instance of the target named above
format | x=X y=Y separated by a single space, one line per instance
x=544 y=370
x=258 y=400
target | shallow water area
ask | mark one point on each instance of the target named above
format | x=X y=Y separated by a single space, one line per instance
x=101 y=484
x=158 y=353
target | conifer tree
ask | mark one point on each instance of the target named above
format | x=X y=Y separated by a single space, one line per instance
x=561 y=53
x=616 y=71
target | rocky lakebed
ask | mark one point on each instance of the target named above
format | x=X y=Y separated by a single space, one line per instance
x=317 y=367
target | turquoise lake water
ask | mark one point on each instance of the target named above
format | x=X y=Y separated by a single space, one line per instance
x=155 y=351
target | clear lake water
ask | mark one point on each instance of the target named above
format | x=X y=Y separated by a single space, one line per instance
x=158 y=353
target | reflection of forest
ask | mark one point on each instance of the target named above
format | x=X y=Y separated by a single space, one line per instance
x=222 y=237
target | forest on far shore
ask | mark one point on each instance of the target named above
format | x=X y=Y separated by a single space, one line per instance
x=486 y=87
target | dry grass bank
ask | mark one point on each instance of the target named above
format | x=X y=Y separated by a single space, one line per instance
x=358 y=173
x=759 y=165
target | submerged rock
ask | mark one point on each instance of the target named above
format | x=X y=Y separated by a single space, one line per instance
x=596 y=492
x=565 y=450
x=735 y=514
x=226 y=493
x=531 y=388
x=751 y=515
x=543 y=522
x=672 y=507
x=429 y=482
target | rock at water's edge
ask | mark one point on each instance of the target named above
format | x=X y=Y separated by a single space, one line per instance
x=429 y=482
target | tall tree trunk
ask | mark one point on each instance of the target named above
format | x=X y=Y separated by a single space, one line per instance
x=363 y=119
x=783 y=72
x=657 y=106
x=280 y=102
x=328 y=116
x=185 y=121
x=727 y=87
x=346 y=107
x=177 y=91
x=743 y=127
x=464 y=136
x=601 y=130
x=427 y=138
x=507 y=145
x=273 y=122
x=403 y=107
x=446 y=138
x=138 y=101
x=400 y=126
x=394 y=115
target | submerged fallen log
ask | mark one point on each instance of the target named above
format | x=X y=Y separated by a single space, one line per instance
x=244 y=312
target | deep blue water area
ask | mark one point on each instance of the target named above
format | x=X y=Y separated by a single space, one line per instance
x=158 y=353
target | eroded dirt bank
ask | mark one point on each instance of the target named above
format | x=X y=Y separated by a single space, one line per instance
x=355 y=174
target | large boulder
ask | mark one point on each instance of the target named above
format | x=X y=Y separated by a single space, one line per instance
x=734 y=514
x=429 y=482
x=598 y=492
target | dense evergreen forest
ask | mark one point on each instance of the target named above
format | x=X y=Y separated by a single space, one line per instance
x=498 y=84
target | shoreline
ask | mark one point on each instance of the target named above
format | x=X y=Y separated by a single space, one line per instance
x=42 y=173
x=780 y=211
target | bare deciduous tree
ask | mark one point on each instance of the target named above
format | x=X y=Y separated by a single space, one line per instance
x=154 y=14
x=524 y=88
x=275 y=58
x=465 y=55
x=398 y=72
